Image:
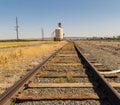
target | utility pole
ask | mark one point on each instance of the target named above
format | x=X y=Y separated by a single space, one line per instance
x=42 y=32
x=17 y=28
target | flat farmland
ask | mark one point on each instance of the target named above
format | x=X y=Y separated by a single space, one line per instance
x=17 y=58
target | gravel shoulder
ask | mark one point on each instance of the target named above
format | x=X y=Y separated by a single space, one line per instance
x=106 y=52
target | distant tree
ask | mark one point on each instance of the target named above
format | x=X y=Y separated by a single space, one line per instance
x=114 y=37
x=118 y=37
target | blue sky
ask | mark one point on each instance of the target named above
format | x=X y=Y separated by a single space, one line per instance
x=79 y=18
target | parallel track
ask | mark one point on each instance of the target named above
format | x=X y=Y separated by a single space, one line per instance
x=66 y=77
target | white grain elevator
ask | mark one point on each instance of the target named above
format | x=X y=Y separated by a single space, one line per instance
x=59 y=33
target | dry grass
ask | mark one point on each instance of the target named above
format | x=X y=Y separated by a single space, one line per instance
x=19 y=44
x=13 y=44
x=10 y=56
x=26 y=53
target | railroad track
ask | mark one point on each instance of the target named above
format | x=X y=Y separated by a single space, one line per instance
x=67 y=77
x=108 y=48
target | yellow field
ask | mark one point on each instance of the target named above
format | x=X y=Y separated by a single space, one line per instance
x=23 y=53
x=13 y=44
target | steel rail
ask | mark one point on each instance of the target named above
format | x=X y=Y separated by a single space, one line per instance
x=8 y=96
x=111 y=93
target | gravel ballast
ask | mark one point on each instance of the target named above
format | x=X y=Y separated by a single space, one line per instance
x=109 y=58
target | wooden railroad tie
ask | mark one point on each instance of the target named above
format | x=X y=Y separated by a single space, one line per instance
x=93 y=61
x=61 y=85
x=62 y=76
x=115 y=85
x=112 y=75
x=58 y=69
x=67 y=64
x=102 y=69
x=97 y=64
x=60 y=96
x=67 y=55
x=72 y=75
x=68 y=85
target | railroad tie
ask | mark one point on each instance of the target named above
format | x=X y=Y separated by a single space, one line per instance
x=68 y=55
x=55 y=96
x=61 y=85
x=62 y=76
x=67 y=64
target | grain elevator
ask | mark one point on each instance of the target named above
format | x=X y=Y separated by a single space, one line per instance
x=58 y=33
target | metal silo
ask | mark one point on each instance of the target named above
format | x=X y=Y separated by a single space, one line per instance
x=59 y=33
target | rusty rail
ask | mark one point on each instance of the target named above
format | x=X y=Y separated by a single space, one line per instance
x=112 y=94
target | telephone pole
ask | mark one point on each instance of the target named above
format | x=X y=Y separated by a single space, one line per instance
x=17 y=28
x=42 y=32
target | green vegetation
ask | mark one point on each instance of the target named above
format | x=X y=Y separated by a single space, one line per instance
x=70 y=79
x=13 y=103
x=118 y=37
x=60 y=80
